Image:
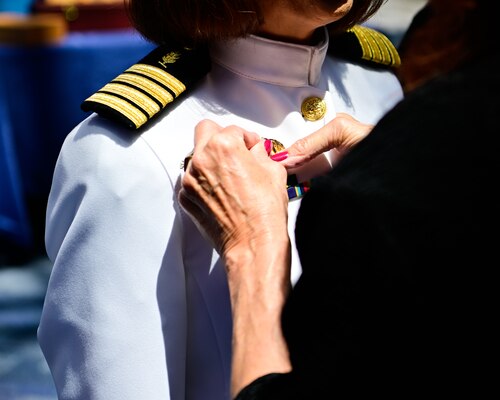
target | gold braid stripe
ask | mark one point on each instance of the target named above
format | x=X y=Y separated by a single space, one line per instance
x=389 y=55
x=366 y=46
x=161 y=76
x=139 y=98
x=396 y=60
x=370 y=48
x=120 y=105
x=376 y=47
x=155 y=90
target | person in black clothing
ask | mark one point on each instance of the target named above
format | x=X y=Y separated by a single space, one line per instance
x=396 y=242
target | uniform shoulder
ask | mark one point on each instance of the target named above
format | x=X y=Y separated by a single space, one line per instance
x=139 y=93
x=367 y=46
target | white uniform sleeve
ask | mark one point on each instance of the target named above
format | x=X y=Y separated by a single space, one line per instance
x=109 y=220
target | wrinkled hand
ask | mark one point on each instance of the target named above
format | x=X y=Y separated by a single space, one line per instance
x=237 y=195
x=232 y=189
x=340 y=134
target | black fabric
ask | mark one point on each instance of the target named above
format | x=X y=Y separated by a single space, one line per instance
x=190 y=67
x=347 y=46
x=398 y=247
x=269 y=387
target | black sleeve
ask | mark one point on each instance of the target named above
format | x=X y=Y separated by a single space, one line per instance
x=394 y=246
x=396 y=294
x=269 y=387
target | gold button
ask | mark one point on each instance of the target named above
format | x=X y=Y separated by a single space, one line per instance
x=313 y=108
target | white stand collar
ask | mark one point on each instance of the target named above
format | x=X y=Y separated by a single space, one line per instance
x=271 y=61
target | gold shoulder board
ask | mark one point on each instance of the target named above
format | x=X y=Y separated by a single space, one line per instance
x=365 y=45
x=138 y=94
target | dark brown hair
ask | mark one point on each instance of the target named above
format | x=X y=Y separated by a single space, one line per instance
x=193 y=22
x=443 y=36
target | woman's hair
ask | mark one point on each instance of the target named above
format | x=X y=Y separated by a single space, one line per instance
x=443 y=36
x=193 y=22
x=361 y=11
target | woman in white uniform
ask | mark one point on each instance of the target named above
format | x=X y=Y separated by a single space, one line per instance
x=137 y=306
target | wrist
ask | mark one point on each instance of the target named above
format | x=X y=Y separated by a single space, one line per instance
x=260 y=267
x=259 y=283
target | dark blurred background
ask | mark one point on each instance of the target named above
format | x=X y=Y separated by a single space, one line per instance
x=53 y=55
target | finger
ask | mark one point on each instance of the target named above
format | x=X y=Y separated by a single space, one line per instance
x=259 y=150
x=226 y=144
x=251 y=139
x=342 y=133
x=307 y=148
x=203 y=221
x=204 y=130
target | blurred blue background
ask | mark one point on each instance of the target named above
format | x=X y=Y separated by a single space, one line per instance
x=19 y=6
x=41 y=88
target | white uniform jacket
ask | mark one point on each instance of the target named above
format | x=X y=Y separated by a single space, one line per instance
x=137 y=305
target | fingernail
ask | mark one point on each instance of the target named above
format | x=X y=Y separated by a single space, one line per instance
x=282 y=155
x=268 y=145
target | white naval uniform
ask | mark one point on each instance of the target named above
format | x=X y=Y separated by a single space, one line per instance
x=137 y=305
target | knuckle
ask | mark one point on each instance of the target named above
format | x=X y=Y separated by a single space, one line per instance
x=301 y=146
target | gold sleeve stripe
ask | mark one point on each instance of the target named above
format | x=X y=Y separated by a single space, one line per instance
x=389 y=53
x=376 y=47
x=135 y=115
x=370 y=48
x=160 y=94
x=396 y=60
x=161 y=76
x=139 y=98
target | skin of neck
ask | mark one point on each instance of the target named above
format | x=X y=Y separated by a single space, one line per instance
x=298 y=23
